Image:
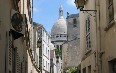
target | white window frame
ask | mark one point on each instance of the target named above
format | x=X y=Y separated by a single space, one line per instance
x=88 y=34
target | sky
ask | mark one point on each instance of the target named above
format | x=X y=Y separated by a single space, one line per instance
x=46 y=12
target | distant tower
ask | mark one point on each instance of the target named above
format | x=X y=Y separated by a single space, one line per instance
x=59 y=30
x=60 y=11
x=59 y=34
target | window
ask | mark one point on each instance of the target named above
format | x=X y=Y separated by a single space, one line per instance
x=46 y=64
x=43 y=33
x=46 y=37
x=43 y=47
x=112 y=66
x=26 y=67
x=57 y=36
x=9 y=71
x=61 y=47
x=111 y=10
x=52 y=36
x=84 y=70
x=48 y=53
x=64 y=35
x=89 y=69
x=46 y=50
x=57 y=46
x=48 y=40
x=43 y=63
x=74 y=23
x=88 y=41
x=21 y=68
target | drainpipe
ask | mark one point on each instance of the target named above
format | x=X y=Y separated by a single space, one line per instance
x=6 y=50
x=99 y=57
x=98 y=31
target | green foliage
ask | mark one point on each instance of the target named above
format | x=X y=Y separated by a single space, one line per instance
x=58 y=52
x=72 y=70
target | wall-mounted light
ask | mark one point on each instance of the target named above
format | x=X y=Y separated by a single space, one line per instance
x=80 y=5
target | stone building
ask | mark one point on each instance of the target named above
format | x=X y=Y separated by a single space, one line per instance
x=71 y=48
x=59 y=36
x=33 y=56
x=53 y=66
x=44 y=49
x=107 y=34
x=97 y=35
x=88 y=38
x=14 y=37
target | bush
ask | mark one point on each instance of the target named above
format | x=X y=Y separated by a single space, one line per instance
x=72 y=70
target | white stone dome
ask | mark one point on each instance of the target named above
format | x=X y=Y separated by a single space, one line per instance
x=60 y=26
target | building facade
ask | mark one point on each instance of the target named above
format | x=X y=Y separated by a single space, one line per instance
x=33 y=56
x=58 y=37
x=97 y=19
x=53 y=66
x=44 y=50
x=88 y=39
x=71 y=54
x=107 y=34
x=14 y=39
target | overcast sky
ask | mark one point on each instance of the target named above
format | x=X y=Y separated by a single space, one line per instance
x=46 y=12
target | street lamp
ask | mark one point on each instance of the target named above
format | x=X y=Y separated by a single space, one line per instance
x=80 y=5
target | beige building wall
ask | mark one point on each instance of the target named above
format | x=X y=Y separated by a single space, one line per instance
x=71 y=49
x=102 y=56
x=4 y=27
x=7 y=44
x=108 y=38
x=89 y=55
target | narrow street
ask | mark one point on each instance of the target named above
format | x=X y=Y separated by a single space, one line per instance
x=57 y=36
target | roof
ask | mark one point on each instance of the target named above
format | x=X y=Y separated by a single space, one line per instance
x=59 y=27
x=73 y=15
